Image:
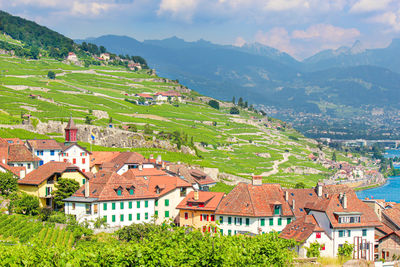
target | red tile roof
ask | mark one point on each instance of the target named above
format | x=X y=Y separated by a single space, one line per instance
x=191 y=175
x=168 y=93
x=145 y=172
x=145 y=95
x=41 y=174
x=392 y=233
x=254 y=201
x=13 y=141
x=301 y=229
x=15 y=170
x=99 y=157
x=209 y=201
x=49 y=144
x=124 y=158
x=4 y=153
x=393 y=214
x=301 y=197
x=20 y=153
x=71 y=125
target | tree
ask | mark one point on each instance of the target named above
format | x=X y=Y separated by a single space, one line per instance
x=233 y=100
x=24 y=204
x=88 y=120
x=102 y=49
x=245 y=104
x=64 y=189
x=313 y=250
x=147 y=129
x=346 y=250
x=51 y=75
x=300 y=185
x=110 y=120
x=8 y=183
x=334 y=156
x=214 y=104
x=100 y=222
x=240 y=102
x=234 y=110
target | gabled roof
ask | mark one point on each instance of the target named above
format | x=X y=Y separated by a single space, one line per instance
x=71 y=125
x=20 y=153
x=210 y=201
x=191 y=175
x=49 y=144
x=66 y=146
x=99 y=157
x=397 y=233
x=301 y=229
x=15 y=170
x=41 y=174
x=124 y=158
x=254 y=201
x=145 y=172
x=168 y=93
x=145 y=96
x=301 y=197
x=393 y=215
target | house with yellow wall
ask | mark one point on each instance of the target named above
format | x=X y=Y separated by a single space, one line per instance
x=41 y=182
x=198 y=210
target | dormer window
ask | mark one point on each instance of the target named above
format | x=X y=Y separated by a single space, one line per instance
x=131 y=191
x=119 y=192
x=277 y=209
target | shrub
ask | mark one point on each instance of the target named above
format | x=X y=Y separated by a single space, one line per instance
x=8 y=183
x=51 y=75
x=313 y=250
x=213 y=103
x=346 y=250
x=234 y=110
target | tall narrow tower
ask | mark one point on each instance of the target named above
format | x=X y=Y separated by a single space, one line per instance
x=71 y=132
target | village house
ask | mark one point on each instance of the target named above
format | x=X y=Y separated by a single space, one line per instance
x=389 y=246
x=254 y=209
x=47 y=150
x=343 y=217
x=97 y=158
x=72 y=57
x=18 y=156
x=147 y=99
x=198 y=210
x=199 y=180
x=125 y=161
x=41 y=182
x=168 y=96
x=105 y=56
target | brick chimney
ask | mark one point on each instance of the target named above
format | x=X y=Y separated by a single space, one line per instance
x=286 y=196
x=151 y=156
x=196 y=195
x=140 y=167
x=87 y=189
x=158 y=160
x=344 y=201
x=257 y=180
x=319 y=189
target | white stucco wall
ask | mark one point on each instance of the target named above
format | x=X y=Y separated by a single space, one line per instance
x=174 y=199
x=74 y=152
x=45 y=155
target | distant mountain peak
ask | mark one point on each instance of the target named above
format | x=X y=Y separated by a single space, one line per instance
x=357 y=48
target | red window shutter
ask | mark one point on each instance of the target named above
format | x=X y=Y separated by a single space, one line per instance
x=83 y=170
x=209 y=228
x=83 y=161
x=65 y=160
x=215 y=229
x=318 y=235
x=201 y=217
x=186 y=215
x=74 y=161
x=323 y=247
x=207 y=217
x=212 y=218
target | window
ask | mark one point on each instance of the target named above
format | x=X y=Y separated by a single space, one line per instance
x=113 y=218
x=229 y=220
x=51 y=152
x=318 y=235
x=166 y=202
x=341 y=233
x=113 y=206
x=73 y=161
x=105 y=218
x=229 y=232
x=138 y=216
x=41 y=163
x=364 y=232
x=146 y=203
x=121 y=217
x=130 y=204
x=121 y=205
x=186 y=215
x=146 y=215
x=88 y=209
x=65 y=160
x=221 y=219
x=279 y=221
x=83 y=181
x=130 y=216
x=166 y=214
x=156 y=203
x=238 y=221
x=271 y=221
x=277 y=209
x=289 y=220
x=29 y=165
x=247 y=221
x=322 y=247
x=131 y=191
x=83 y=161
x=138 y=204
x=212 y=218
x=349 y=233
x=104 y=206
x=95 y=208
x=73 y=206
x=221 y=231
x=262 y=222
x=119 y=192
x=156 y=213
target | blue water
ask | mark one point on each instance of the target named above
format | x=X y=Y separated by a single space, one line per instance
x=389 y=192
x=392 y=153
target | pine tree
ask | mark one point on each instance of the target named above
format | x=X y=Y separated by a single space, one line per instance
x=240 y=102
x=233 y=100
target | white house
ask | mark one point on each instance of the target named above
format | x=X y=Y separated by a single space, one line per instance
x=168 y=95
x=254 y=208
x=76 y=155
x=72 y=57
x=20 y=156
x=47 y=150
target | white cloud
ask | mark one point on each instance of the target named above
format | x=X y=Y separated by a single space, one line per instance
x=239 y=41
x=280 y=5
x=326 y=32
x=90 y=9
x=277 y=37
x=391 y=19
x=179 y=9
x=369 y=5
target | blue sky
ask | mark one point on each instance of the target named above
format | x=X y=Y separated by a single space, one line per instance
x=298 y=27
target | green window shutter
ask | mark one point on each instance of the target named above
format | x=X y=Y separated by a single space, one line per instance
x=104 y=206
x=138 y=216
x=262 y=222
x=130 y=217
x=146 y=215
x=221 y=219
x=113 y=205
x=83 y=181
x=131 y=191
x=122 y=205
x=279 y=221
x=146 y=203
x=289 y=220
x=105 y=218
x=229 y=220
x=166 y=214
x=156 y=213
x=221 y=231
x=138 y=204
x=277 y=209
x=348 y=233
x=247 y=221
x=119 y=192
x=341 y=233
x=364 y=232
x=130 y=204
x=166 y=202
x=113 y=218
x=156 y=203
x=122 y=217
x=229 y=232
x=271 y=221
x=240 y=221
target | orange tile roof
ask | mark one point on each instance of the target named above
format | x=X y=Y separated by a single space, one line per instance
x=13 y=141
x=38 y=176
x=125 y=158
x=301 y=229
x=191 y=175
x=99 y=157
x=50 y=144
x=254 y=201
x=4 y=152
x=71 y=125
x=145 y=172
x=15 y=170
x=210 y=201
x=393 y=214
x=301 y=197
x=20 y=153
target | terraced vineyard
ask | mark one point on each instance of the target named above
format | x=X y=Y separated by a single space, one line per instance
x=29 y=229
x=240 y=145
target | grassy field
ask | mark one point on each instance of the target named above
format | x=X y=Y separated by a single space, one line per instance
x=235 y=144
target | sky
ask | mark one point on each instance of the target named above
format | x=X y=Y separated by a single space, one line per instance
x=298 y=27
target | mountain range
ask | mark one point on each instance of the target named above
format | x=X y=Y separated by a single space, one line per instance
x=353 y=77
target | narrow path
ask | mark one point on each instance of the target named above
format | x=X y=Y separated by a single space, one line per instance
x=275 y=167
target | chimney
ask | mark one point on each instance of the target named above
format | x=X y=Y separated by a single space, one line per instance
x=151 y=156
x=4 y=161
x=158 y=161
x=293 y=204
x=167 y=168
x=163 y=164
x=22 y=174
x=196 y=195
x=257 y=180
x=319 y=189
x=140 y=167
x=286 y=196
x=344 y=201
x=87 y=188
